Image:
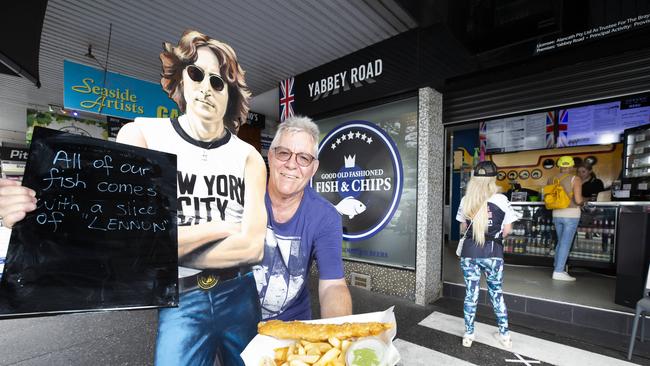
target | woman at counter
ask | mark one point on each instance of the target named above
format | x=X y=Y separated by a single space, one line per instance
x=591 y=185
x=566 y=219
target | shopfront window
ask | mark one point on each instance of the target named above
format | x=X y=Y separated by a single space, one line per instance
x=368 y=171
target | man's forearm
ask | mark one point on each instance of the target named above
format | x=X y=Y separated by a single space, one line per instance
x=335 y=301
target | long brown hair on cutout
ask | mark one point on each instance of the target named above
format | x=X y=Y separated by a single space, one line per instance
x=175 y=58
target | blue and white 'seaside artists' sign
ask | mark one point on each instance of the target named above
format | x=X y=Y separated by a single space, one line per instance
x=87 y=89
x=360 y=173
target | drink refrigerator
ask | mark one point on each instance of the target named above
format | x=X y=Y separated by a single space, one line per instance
x=633 y=247
x=533 y=237
x=635 y=182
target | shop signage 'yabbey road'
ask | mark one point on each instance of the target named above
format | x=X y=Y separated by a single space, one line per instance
x=121 y=96
x=361 y=174
x=374 y=72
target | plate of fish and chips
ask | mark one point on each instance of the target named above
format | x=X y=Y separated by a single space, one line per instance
x=355 y=340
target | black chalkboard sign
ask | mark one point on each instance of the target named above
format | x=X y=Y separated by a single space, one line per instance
x=103 y=235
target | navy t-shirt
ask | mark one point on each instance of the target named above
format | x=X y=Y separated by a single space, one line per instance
x=499 y=213
x=314 y=232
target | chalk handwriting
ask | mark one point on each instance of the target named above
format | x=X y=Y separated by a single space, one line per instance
x=107 y=200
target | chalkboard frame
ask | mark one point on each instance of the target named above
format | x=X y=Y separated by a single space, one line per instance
x=127 y=261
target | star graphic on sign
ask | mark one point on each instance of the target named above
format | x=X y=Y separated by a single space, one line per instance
x=369 y=140
x=333 y=146
x=363 y=137
x=357 y=134
x=338 y=141
x=343 y=138
x=351 y=135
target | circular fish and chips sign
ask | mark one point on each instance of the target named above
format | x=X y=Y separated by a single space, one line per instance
x=360 y=173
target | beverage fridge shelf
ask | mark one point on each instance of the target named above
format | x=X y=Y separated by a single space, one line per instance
x=533 y=238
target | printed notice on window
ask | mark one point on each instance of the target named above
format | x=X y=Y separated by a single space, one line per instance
x=103 y=235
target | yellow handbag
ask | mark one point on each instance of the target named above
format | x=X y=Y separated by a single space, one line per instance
x=555 y=197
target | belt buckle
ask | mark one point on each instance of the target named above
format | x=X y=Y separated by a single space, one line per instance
x=207 y=282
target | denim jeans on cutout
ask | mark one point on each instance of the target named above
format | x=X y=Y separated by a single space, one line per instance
x=208 y=324
x=565 y=227
x=493 y=269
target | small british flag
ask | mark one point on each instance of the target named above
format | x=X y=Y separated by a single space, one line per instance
x=550 y=129
x=286 y=99
x=482 y=136
x=563 y=128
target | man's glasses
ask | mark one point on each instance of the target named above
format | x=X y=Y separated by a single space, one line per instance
x=283 y=154
x=197 y=74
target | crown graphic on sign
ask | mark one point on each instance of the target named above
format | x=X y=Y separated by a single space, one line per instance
x=349 y=161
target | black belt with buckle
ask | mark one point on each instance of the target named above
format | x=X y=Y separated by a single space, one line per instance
x=209 y=278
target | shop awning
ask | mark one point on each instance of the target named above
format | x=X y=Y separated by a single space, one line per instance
x=20 y=38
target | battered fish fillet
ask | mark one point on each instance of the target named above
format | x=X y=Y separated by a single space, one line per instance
x=320 y=332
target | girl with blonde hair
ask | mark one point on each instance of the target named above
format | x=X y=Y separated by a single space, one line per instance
x=486 y=217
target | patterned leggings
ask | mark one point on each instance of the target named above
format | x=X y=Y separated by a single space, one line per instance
x=493 y=269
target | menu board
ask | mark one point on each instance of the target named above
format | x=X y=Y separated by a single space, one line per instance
x=103 y=235
x=601 y=123
x=527 y=132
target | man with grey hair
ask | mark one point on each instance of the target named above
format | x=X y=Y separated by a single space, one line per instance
x=302 y=226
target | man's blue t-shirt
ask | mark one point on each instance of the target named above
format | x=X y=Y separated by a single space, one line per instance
x=314 y=232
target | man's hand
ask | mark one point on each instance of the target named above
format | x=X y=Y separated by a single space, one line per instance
x=334 y=297
x=15 y=202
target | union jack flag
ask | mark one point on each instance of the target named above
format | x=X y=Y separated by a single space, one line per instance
x=482 y=136
x=286 y=99
x=563 y=128
x=550 y=127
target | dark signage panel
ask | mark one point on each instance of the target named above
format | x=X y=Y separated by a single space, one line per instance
x=384 y=69
x=404 y=63
x=113 y=124
x=256 y=120
x=14 y=153
x=103 y=235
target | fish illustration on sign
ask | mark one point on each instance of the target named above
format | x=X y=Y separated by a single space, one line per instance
x=350 y=207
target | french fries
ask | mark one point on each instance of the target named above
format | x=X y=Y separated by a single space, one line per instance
x=304 y=353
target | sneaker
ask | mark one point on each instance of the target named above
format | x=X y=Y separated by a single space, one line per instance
x=563 y=276
x=504 y=340
x=468 y=339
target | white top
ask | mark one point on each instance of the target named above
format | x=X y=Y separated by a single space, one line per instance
x=210 y=189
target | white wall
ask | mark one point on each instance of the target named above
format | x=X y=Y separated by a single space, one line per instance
x=13 y=123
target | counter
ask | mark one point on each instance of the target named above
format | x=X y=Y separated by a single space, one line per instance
x=616 y=203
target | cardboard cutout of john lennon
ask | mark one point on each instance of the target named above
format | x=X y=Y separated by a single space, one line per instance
x=222 y=219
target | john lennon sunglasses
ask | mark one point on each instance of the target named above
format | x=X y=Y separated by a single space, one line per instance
x=197 y=74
